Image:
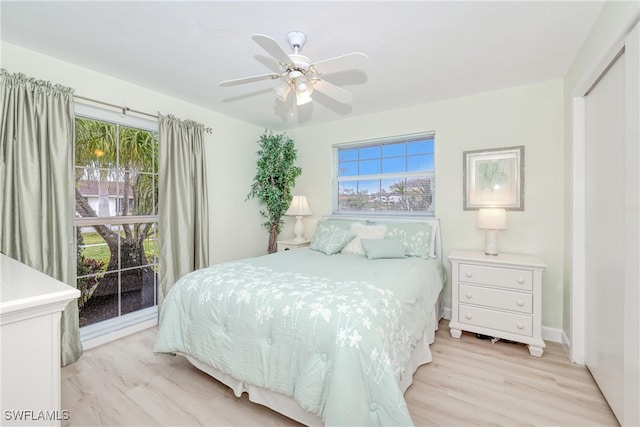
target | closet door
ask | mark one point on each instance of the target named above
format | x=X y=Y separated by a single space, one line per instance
x=612 y=235
x=605 y=233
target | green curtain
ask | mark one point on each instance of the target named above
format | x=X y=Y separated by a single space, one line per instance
x=36 y=185
x=183 y=205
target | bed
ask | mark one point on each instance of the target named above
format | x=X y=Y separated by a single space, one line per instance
x=326 y=335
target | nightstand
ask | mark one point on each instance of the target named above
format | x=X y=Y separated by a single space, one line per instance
x=287 y=245
x=499 y=296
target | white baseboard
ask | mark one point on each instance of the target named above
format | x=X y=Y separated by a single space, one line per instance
x=552 y=334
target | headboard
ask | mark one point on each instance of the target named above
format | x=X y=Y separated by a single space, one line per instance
x=434 y=222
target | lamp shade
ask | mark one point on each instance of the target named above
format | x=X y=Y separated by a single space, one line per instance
x=302 y=98
x=492 y=218
x=299 y=206
x=304 y=89
x=283 y=91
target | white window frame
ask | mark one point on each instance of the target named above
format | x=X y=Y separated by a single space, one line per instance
x=110 y=329
x=380 y=141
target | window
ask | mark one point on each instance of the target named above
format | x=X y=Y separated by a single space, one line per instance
x=120 y=208
x=389 y=176
x=116 y=219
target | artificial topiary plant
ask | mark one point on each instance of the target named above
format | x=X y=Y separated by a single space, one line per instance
x=275 y=177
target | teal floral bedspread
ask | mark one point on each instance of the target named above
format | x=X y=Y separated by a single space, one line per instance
x=333 y=332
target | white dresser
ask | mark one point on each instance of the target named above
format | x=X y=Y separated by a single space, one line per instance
x=499 y=296
x=30 y=308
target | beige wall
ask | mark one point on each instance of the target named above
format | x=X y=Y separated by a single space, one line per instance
x=615 y=18
x=231 y=148
x=529 y=115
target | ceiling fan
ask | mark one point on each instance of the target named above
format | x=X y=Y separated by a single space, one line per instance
x=299 y=74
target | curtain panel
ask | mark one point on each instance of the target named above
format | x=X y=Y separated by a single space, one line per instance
x=37 y=128
x=183 y=206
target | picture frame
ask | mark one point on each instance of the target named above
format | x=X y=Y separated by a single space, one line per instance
x=494 y=178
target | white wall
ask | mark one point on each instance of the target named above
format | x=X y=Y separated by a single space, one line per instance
x=529 y=115
x=231 y=149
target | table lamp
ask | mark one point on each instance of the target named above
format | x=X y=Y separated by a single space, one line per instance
x=299 y=207
x=492 y=219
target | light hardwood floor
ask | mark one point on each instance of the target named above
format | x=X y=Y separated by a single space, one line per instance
x=469 y=382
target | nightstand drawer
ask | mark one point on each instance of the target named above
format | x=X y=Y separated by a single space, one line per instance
x=496 y=276
x=496 y=298
x=287 y=245
x=508 y=322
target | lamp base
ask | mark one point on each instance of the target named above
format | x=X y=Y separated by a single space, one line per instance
x=491 y=242
x=298 y=230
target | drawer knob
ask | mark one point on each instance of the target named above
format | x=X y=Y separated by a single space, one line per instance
x=520 y=325
x=468 y=295
x=520 y=280
x=468 y=274
x=468 y=316
x=520 y=303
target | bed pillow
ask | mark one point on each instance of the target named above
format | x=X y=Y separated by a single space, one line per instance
x=363 y=231
x=382 y=248
x=330 y=239
x=339 y=222
x=415 y=237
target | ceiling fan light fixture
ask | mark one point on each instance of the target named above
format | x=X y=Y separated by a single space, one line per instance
x=299 y=74
x=283 y=91
x=303 y=98
x=304 y=89
x=303 y=85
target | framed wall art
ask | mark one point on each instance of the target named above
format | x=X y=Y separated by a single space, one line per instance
x=494 y=178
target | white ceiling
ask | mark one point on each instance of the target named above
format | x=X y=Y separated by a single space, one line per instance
x=419 y=51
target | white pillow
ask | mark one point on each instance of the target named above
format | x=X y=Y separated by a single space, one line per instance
x=363 y=231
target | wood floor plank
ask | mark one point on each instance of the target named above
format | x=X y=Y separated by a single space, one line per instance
x=470 y=382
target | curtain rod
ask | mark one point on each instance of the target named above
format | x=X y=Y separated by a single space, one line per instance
x=127 y=109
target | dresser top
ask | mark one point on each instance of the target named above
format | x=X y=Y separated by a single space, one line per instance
x=24 y=287
x=500 y=259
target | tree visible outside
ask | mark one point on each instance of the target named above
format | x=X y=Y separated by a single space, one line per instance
x=116 y=218
x=402 y=196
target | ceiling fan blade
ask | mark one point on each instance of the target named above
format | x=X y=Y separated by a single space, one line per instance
x=251 y=79
x=340 y=63
x=273 y=48
x=333 y=91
